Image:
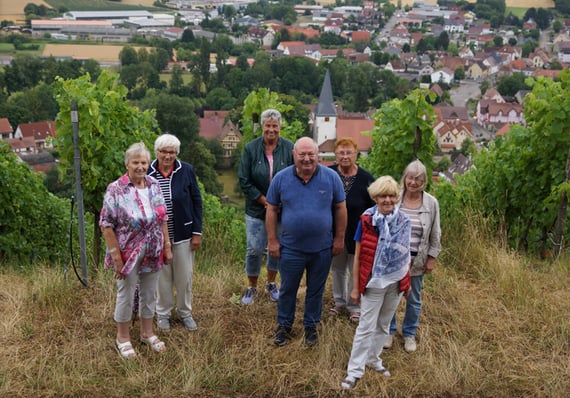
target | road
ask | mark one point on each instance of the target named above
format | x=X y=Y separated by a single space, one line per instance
x=467 y=89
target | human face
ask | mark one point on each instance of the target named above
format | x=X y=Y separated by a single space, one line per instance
x=271 y=131
x=166 y=157
x=345 y=156
x=386 y=203
x=414 y=183
x=137 y=167
x=305 y=156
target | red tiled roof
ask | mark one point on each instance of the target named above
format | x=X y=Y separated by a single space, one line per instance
x=38 y=130
x=212 y=124
x=5 y=126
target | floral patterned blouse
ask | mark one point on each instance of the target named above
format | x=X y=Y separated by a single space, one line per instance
x=123 y=210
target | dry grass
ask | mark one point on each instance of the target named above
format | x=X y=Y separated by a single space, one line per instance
x=493 y=325
x=99 y=52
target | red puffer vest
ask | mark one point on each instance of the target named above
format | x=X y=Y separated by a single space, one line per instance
x=368 y=245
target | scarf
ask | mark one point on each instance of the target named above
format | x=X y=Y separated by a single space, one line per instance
x=392 y=257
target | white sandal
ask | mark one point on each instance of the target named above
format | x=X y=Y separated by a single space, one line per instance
x=126 y=349
x=154 y=342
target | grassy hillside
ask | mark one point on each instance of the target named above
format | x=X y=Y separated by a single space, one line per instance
x=494 y=325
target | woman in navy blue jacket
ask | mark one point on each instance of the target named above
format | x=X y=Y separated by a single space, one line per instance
x=184 y=205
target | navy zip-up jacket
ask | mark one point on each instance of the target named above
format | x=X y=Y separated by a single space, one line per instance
x=186 y=200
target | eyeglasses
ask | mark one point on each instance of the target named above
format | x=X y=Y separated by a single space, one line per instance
x=303 y=155
x=172 y=153
x=343 y=154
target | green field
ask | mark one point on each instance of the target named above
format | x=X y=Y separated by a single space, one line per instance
x=8 y=49
x=229 y=179
x=516 y=11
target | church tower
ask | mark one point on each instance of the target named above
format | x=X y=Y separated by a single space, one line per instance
x=324 y=126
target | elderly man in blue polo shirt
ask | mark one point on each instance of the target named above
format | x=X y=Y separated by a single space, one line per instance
x=311 y=201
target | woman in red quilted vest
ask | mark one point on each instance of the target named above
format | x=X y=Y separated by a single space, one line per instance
x=381 y=269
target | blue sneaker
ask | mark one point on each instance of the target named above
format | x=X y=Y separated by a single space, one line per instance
x=249 y=296
x=272 y=290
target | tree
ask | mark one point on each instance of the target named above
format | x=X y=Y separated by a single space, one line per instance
x=204 y=163
x=187 y=36
x=548 y=114
x=174 y=115
x=176 y=84
x=509 y=85
x=128 y=56
x=442 y=41
x=107 y=126
x=498 y=41
x=220 y=99
x=32 y=221
x=459 y=74
x=229 y=11
x=403 y=131
x=254 y=105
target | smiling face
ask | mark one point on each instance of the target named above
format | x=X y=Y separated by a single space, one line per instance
x=271 y=129
x=137 y=167
x=166 y=157
x=386 y=203
x=414 y=183
x=345 y=156
x=305 y=154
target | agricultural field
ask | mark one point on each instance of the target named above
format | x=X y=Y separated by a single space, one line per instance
x=101 y=53
x=13 y=10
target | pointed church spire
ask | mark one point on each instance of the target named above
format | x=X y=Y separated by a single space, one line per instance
x=325 y=106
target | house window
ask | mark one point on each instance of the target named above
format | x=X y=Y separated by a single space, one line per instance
x=327 y=119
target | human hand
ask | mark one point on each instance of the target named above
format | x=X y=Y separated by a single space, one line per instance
x=196 y=242
x=355 y=296
x=429 y=265
x=338 y=246
x=273 y=249
x=407 y=292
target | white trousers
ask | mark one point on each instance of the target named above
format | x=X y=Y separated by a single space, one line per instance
x=177 y=275
x=377 y=307
x=126 y=293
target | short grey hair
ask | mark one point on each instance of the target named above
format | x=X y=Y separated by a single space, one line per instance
x=385 y=185
x=136 y=149
x=166 y=140
x=415 y=169
x=271 y=114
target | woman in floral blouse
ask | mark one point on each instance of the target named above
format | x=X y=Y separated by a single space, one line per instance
x=133 y=221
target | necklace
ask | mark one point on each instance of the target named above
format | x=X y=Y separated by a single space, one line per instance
x=347 y=180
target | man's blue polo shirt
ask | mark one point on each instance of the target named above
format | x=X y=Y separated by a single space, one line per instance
x=306 y=209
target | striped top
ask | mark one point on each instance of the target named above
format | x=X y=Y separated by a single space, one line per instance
x=167 y=194
x=417 y=229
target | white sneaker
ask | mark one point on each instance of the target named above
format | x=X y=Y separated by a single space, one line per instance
x=348 y=383
x=388 y=341
x=410 y=344
x=378 y=367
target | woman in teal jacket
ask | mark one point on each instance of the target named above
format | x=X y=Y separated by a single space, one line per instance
x=262 y=158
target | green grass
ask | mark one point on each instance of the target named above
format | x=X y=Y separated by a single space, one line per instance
x=229 y=179
x=165 y=77
x=8 y=49
x=516 y=11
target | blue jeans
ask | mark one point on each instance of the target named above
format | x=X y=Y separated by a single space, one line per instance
x=291 y=267
x=413 y=309
x=256 y=245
